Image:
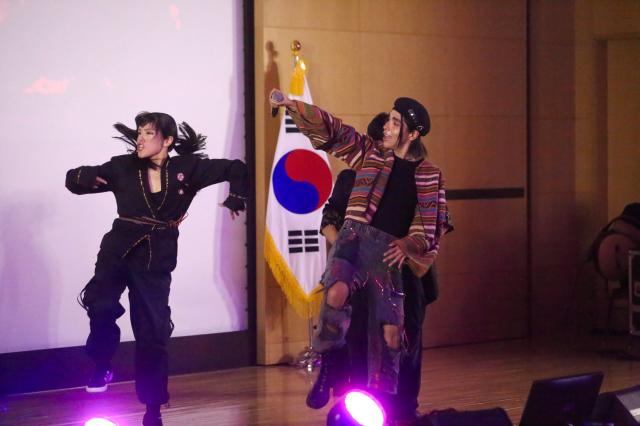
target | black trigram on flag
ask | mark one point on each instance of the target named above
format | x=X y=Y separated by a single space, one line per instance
x=289 y=126
x=304 y=241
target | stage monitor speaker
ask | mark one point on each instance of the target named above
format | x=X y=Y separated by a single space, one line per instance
x=451 y=417
x=621 y=408
x=562 y=400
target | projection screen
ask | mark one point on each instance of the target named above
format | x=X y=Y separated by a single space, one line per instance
x=70 y=70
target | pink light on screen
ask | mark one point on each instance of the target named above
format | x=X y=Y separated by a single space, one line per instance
x=4 y=11
x=364 y=409
x=175 y=16
x=46 y=86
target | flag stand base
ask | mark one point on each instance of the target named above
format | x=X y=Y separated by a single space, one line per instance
x=308 y=359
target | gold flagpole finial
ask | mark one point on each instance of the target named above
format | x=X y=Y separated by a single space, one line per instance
x=296 y=46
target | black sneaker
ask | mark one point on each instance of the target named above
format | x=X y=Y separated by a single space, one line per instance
x=99 y=381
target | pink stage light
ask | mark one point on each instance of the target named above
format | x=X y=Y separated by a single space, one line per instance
x=364 y=408
x=99 y=421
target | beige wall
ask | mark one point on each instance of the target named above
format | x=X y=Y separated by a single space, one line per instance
x=552 y=159
x=590 y=166
x=623 y=123
x=585 y=103
x=466 y=60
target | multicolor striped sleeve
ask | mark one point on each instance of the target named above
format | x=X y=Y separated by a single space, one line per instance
x=430 y=222
x=330 y=134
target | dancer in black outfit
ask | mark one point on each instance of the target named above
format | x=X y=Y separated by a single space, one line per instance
x=153 y=192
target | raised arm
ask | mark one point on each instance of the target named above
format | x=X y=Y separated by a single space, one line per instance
x=326 y=132
x=90 y=179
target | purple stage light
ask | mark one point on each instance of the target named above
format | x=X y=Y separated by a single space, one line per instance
x=364 y=408
x=99 y=421
x=357 y=408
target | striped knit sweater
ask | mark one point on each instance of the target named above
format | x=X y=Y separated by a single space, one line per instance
x=373 y=164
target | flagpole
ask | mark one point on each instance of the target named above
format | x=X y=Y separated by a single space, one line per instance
x=308 y=359
x=294 y=248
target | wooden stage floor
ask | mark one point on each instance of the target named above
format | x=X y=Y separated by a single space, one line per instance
x=468 y=377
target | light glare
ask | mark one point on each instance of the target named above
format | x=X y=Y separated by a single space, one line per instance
x=99 y=421
x=364 y=409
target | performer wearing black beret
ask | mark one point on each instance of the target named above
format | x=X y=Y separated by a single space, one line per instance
x=419 y=292
x=396 y=215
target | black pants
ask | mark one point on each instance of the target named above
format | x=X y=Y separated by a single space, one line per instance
x=150 y=318
x=406 y=400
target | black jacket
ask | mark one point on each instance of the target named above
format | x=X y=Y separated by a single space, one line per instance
x=181 y=177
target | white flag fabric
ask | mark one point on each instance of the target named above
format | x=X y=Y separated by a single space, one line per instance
x=300 y=185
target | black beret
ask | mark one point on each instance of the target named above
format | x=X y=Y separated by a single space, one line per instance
x=414 y=113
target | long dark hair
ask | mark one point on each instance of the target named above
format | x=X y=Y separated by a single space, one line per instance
x=189 y=142
x=375 y=129
x=417 y=150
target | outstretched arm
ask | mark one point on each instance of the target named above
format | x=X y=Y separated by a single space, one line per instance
x=326 y=132
x=211 y=171
x=89 y=179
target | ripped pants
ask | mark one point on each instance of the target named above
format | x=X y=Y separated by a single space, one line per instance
x=356 y=260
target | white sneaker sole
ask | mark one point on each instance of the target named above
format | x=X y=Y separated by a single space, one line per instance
x=96 y=390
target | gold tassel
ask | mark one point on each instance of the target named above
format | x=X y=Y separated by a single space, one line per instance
x=297 y=79
x=307 y=306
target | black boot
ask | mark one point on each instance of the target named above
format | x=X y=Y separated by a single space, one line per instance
x=152 y=416
x=330 y=369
